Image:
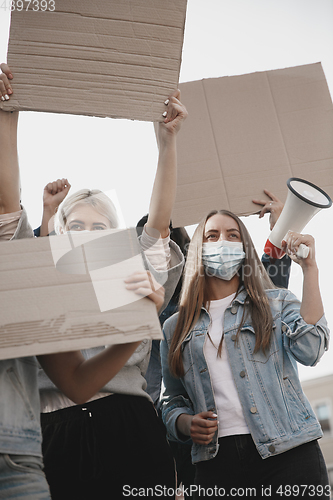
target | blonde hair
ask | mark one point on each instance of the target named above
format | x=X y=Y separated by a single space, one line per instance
x=194 y=295
x=94 y=197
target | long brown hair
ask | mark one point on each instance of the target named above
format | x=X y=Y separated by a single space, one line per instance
x=253 y=278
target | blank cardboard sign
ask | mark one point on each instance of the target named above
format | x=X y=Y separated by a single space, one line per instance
x=250 y=132
x=116 y=58
x=61 y=294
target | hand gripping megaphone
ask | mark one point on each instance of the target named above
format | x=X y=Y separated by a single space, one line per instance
x=304 y=200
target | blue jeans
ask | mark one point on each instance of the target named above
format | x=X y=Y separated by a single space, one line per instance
x=22 y=477
x=239 y=471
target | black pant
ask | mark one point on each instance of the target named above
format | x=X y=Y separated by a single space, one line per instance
x=184 y=466
x=103 y=449
x=241 y=472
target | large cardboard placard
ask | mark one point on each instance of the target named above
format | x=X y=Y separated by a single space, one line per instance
x=250 y=132
x=59 y=295
x=116 y=58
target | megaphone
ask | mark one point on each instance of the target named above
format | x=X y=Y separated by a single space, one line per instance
x=304 y=200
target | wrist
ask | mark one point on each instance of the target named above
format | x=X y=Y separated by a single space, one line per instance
x=50 y=209
x=183 y=424
x=167 y=139
x=310 y=267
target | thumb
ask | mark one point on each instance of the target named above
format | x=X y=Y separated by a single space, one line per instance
x=207 y=415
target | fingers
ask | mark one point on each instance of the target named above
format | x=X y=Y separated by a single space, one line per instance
x=66 y=186
x=57 y=186
x=274 y=207
x=203 y=427
x=271 y=195
x=5 y=86
x=266 y=207
x=207 y=419
x=6 y=69
x=139 y=279
x=174 y=108
x=294 y=245
x=176 y=94
x=144 y=284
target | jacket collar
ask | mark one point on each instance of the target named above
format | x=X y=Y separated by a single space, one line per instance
x=240 y=299
x=241 y=296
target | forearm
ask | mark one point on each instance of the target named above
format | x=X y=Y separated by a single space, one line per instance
x=183 y=424
x=312 y=308
x=164 y=189
x=47 y=224
x=80 y=379
x=95 y=372
x=9 y=168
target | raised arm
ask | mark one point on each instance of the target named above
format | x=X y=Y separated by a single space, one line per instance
x=54 y=193
x=164 y=189
x=278 y=269
x=312 y=308
x=9 y=169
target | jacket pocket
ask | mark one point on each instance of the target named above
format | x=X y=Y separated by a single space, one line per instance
x=249 y=339
x=297 y=408
x=25 y=463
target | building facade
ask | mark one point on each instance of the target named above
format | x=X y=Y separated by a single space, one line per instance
x=319 y=392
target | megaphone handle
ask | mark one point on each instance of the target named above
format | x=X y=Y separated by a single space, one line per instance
x=302 y=252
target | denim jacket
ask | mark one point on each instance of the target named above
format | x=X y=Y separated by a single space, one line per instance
x=19 y=409
x=275 y=408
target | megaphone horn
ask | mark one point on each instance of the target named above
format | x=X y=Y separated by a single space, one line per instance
x=304 y=200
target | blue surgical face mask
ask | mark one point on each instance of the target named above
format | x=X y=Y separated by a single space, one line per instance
x=222 y=259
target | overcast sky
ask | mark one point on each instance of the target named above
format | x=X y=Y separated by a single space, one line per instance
x=222 y=37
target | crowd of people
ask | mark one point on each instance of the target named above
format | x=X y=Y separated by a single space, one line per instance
x=223 y=408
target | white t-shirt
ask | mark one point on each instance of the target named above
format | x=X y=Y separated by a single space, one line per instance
x=228 y=406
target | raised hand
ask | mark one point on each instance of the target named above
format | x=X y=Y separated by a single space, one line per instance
x=291 y=244
x=174 y=115
x=5 y=86
x=55 y=192
x=164 y=189
x=273 y=207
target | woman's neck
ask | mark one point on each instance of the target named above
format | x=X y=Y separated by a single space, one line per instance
x=219 y=289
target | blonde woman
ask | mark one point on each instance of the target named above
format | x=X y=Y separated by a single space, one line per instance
x=97 y=436
x=229 y=368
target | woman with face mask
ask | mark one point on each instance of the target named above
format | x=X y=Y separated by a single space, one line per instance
x=229 y=368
